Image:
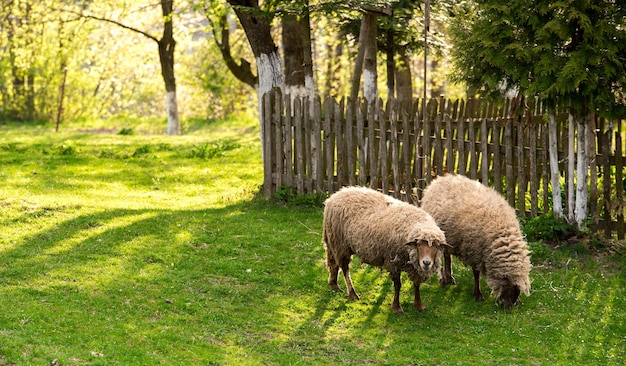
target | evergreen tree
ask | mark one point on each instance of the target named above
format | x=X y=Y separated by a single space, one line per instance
x=571 y=51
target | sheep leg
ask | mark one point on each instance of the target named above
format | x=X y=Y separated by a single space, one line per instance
x=477 y=294
x=345 y=267
x=333 y=272
x=446 y=276
x=397 y=284
x=418 y=301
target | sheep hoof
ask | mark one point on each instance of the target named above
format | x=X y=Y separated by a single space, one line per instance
x=397 y=310
x=335 y=287
x=353 y=296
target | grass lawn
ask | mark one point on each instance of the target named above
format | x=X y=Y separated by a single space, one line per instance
x=144 y=249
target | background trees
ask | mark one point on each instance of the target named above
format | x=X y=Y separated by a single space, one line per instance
x=570 y=52
x=109 y=69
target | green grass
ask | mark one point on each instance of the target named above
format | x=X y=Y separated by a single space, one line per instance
x=144 y=249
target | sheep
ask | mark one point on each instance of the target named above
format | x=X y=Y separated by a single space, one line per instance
x=483 y=232
x=383 y=232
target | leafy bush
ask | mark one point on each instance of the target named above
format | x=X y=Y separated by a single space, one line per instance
x=548 y=228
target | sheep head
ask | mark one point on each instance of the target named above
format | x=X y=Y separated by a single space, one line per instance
x=509 y=296
x=425 y=254
x=506 y=291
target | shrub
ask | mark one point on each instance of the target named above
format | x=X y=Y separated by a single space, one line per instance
x=548 y=228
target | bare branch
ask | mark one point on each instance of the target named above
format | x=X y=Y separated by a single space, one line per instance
x=119 y=24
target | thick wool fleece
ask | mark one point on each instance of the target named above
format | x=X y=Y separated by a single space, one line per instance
x=376 y=227
x=482 y=229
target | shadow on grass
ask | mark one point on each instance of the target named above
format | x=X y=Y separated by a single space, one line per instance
x=572 y=316
x=248 y=282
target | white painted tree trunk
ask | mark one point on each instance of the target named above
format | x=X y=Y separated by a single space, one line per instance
x=370 y=85
x=582 y=173
x=309 y=85
x=571 y=164
x=557 y=203
x=295 y=91
x=270 y=72
x=173 y=122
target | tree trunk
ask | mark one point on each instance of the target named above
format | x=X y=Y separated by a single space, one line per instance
x=269 y=68
x=404 y=79
x=257 y=29
x=167 y=45
x=571 y=163
x=582 y=171
x=333 y=66
x=370 y=73
x=358 y=63
x=557 y=204
x=293 y=52
x=391 y=64
x=309 y=79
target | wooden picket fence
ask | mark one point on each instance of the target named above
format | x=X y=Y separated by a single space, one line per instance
x=320 y=146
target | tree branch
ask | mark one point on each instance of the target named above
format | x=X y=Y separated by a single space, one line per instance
x=115 y=22
x=242 y=71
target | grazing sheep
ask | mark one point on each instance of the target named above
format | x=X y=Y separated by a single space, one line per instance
x=383 y=232
x=483 y=232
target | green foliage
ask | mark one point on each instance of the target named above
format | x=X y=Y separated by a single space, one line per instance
x=125 y=131
x=289 y=196
x=11 y=146
x=573 y=52
x=546 y=227
x=67 y=148
x=142 y=150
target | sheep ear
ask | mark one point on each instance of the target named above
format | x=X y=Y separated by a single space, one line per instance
x=446 y=245
x=412 y=243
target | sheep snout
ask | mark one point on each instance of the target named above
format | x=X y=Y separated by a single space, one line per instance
x=509 y=296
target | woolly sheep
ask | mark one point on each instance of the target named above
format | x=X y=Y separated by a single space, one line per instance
x=383 y=232
x=483 y=232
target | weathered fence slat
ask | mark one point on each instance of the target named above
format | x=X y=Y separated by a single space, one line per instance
x=619 y=168
x=297 y=144
x=287 y=139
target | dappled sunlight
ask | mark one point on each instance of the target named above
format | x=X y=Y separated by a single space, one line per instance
x=95 y=232
x=90 y=259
